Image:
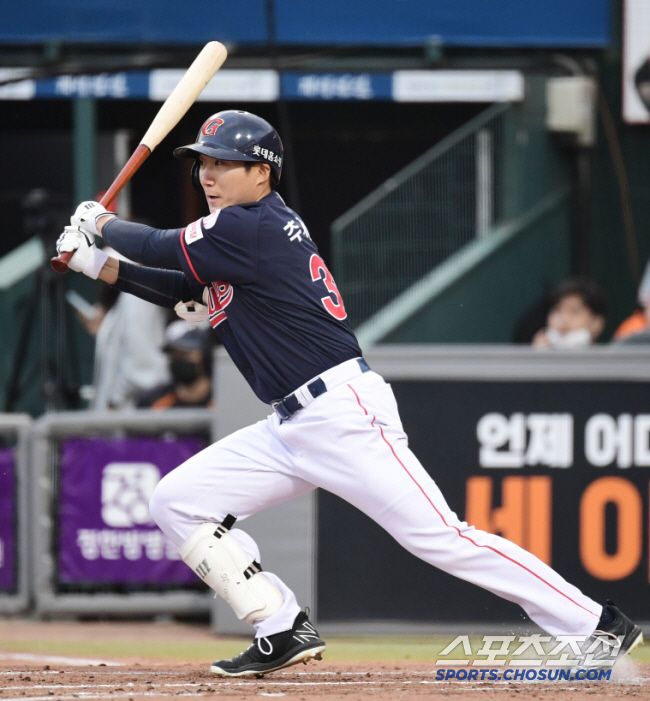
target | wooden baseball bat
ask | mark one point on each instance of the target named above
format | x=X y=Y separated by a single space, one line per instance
x=197 y=76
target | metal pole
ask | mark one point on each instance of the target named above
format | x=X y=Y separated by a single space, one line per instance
x=580 y=253
x=85 y=143
x=284 y=121
x=484 y=184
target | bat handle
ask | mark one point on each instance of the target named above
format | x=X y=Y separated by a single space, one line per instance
x=60 y=262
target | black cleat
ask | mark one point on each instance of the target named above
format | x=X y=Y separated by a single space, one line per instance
x=265 y=655
x=608 y=643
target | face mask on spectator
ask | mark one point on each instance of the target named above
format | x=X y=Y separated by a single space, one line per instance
x=184 y=372
x=580 y=338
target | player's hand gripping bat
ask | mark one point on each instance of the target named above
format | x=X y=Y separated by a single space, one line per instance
x=197 y=76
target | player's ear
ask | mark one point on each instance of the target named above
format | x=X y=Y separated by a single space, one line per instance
x=264 y=170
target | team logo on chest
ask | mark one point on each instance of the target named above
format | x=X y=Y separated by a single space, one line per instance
x=219 y=297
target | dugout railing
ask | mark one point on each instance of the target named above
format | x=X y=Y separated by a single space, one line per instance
x=449 y=196
x=114 y=562
x=456 y=246
x=14 y=513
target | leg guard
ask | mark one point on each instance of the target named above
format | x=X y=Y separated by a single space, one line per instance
x=223 y=565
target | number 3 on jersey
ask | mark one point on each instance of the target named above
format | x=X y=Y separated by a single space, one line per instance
x=319 y=271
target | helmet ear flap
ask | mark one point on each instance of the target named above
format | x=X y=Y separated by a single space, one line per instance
x=194 y=174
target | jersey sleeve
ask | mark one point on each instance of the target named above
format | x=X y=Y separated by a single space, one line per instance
x=143 y=244
x=162 y=287
x=222 y=246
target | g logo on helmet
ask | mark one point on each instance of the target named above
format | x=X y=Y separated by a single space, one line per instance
x=211 y=126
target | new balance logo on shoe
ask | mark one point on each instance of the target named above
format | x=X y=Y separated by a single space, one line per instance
x=306 y=633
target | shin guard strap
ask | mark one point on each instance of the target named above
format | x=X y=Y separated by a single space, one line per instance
x=252 y=569
x=225 y=526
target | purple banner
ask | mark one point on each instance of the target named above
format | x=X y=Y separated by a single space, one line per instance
x=7 y=520
x=106 y=534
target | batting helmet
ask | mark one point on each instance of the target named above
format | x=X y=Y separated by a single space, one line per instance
x=235 y=135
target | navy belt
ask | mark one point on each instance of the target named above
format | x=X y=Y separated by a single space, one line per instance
x=287 y=407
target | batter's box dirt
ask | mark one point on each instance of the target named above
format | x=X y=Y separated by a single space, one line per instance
x=313 y=682
x=140 y=661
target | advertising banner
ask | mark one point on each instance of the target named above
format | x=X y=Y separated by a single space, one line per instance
x=561 y=468
x=106 y=534
x=505 y=23
x=7 y=520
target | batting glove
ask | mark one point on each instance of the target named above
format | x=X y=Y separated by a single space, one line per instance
x=87 y=258
x=86 y=216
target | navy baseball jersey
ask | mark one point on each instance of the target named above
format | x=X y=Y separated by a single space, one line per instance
x=272 y=301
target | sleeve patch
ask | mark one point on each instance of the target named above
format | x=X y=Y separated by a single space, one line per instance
x=193 y=232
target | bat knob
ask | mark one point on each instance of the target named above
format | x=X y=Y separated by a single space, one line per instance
x=60 y=263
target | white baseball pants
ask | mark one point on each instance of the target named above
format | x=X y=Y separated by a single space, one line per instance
x=350 y=441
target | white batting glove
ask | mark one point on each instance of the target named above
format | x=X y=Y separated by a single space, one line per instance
x=86 y=216
x=87 y=259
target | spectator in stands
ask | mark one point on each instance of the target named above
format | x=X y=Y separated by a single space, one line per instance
x=129 y=359
x=576 y=317
x=636 y=328
x=188 y=349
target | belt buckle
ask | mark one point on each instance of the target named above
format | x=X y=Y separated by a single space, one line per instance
x=281 y=410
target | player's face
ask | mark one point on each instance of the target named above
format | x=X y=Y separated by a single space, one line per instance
x=227 y=183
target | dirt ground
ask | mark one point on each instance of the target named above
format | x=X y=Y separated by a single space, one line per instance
x=60 y=676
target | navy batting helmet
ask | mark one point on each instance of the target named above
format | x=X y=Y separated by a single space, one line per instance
x=235 y=135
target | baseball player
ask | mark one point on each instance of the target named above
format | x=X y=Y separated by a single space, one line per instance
x=251 y=267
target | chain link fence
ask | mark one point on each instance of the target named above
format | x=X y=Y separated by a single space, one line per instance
x=449 y=196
